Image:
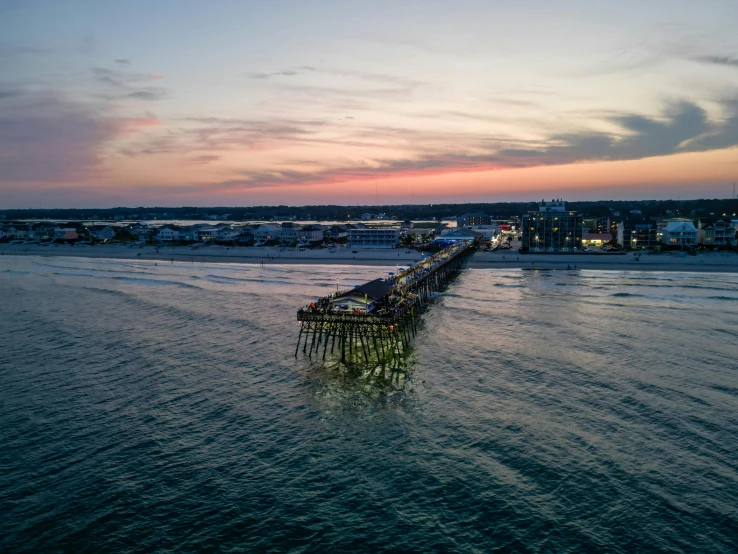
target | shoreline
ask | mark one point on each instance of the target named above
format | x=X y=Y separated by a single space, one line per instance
x=706 y=263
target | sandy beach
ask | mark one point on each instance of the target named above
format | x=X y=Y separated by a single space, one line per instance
x=712 y=262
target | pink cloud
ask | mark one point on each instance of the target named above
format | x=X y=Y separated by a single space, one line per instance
x=44 y=137
x=131 y=125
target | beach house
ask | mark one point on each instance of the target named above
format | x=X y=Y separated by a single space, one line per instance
x=267 y=232
x=16 y=231
x=225 y=233
x=336 y=232
x=65 y=233
x=290 y=233
x=679 y=233
x=42 y=231
x=102 y=232
x=245 y=235
x=311 y=234
x=168 y=233
x=715 y=232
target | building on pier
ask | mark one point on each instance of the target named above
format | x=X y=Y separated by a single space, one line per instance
x=552 y=228
x=363 y=297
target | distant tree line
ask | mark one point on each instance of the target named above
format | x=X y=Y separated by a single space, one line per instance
x=681 y=208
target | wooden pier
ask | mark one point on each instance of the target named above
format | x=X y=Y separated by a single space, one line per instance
x=375 y=322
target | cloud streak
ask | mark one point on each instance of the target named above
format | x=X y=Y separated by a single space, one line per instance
x=126 y=84
x=683 y=127
x=283 y=73
x=717 y=60
x=45 y=137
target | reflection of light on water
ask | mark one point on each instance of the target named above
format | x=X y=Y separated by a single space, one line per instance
x=360 y=388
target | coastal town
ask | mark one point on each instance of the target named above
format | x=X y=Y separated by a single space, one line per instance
x=551 y=228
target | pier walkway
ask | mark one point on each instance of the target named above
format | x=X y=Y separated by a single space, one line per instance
x=379 y=318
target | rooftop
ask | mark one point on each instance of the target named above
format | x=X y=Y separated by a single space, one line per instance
x=373 y=289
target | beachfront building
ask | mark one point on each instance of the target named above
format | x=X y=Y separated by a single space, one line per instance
x=290 y=233
x=374 y=237
x=267 y=232
x=595 y=239
x=679 y=233
x=41 y=231
x=311 y=234
x=552 y=228
x=715 y=232
x=637 y=233
x=202 y=233
x=244 y=237
x=65 y=233
x=7 y=232
x=488 y=232
x=607 y=224
x=168 y=234
x=470 y=219
x=102 y=232
x=141 y=231
x=225 y=233
x=336 y=232
x=450 y=236
x=17 y=231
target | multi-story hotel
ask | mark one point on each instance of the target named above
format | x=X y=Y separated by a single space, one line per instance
x=471 y=219
x=374 y=237
x=637 y=232
x=552 y=228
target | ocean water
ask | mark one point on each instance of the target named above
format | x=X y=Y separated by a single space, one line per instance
x=160 y=408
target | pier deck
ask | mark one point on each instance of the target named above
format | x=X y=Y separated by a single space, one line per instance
x=376 y=321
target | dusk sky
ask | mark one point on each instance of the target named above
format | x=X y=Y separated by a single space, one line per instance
x=220 y=103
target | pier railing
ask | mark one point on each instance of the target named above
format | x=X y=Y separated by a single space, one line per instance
x=353 y=318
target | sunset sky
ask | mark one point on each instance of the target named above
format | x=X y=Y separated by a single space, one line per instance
x=236 y=102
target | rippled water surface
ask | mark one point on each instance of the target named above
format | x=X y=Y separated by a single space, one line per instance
x=148 y=408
